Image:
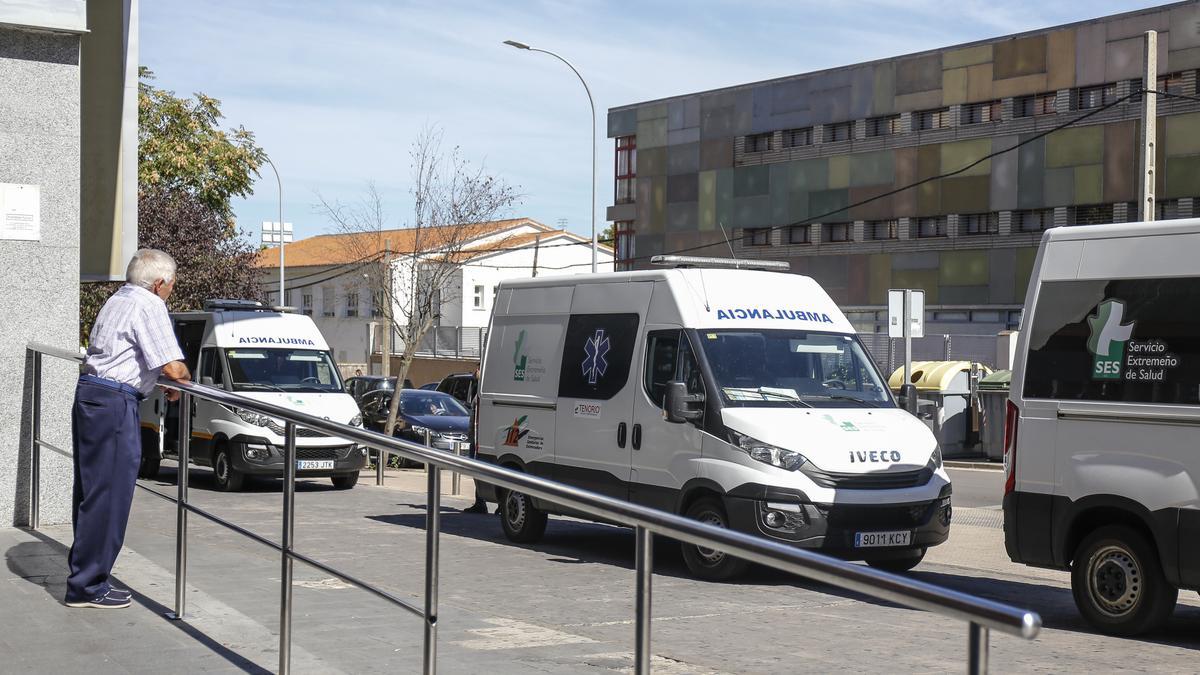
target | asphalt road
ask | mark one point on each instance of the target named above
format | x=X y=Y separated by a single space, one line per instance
x=565 y=604
x=977 y=488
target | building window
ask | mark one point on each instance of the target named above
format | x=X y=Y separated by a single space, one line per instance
x=883 y=229
x=1035 y=104
x=842 y=131
x=1090 y=214
x=979 y=223
x=979 y=113
x=306 y=305
x=1170 y=84
x=352 y=304
x=328 y=302
x=797 y=138
x=477 y=298
x=934 y=226
x=883 y=126
x=838 y=232
x=799 y=234
x=623 y=242
x=1164 y=209
x=927 y=120
x=756 y=236
x=626 y=169
x=1033 y=220
x=1086 y=98
x=378 y=301
x=758 y=142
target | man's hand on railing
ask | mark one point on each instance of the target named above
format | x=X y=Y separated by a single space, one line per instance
x=175 y=370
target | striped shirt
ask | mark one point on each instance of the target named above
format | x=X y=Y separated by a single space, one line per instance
x=132 y=339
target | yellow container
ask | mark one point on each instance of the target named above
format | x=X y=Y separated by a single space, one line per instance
x=934 y=375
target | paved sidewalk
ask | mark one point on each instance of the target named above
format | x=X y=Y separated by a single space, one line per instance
x=563 y=605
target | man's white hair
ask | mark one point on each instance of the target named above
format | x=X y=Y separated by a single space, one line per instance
x=148 y=266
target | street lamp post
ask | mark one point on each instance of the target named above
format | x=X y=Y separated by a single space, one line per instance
x=282 y=297
x=592 y=138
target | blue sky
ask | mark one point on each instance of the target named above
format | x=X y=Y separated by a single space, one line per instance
x=336 y=91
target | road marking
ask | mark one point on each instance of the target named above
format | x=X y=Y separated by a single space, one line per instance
x=660 y=665
x=514 y=634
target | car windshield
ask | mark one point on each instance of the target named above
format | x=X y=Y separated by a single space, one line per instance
x=290 y=370
x=787 y=368
x=421 y=403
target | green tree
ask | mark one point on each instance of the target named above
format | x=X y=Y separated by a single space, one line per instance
x=183 y=149
x=189 y=171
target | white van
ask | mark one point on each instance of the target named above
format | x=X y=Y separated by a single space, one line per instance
x=738 y=397
x=1102 y=442
x=267 y=354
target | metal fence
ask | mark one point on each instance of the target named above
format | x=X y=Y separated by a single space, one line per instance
x=888 y=353
x=980 y=614
x=448 y=342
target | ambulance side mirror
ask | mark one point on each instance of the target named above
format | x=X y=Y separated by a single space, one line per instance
x=681 y=405
x=206 y=380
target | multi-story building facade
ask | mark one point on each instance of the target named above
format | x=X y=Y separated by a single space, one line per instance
x=815 y=168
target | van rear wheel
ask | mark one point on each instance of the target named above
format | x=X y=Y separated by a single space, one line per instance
x=1118 y=582
x=151 y=460
x=707 y=563
x=523 y=522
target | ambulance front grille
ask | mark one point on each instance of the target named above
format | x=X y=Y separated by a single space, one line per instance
x=890 y=480
x=301 y=432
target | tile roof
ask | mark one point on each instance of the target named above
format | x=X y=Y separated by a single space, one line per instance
x=339 y=249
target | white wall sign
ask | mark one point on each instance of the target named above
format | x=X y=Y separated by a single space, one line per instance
x=20 y=212
x=916 y=312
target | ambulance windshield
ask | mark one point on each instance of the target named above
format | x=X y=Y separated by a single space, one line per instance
x=787 y=368
x=290 y=370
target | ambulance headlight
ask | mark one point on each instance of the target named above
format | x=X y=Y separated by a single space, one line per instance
x=356 y=421
x=767 y=453
x=937 y=457
x=251 y=417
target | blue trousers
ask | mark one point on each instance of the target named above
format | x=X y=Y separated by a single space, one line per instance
x=107 y=444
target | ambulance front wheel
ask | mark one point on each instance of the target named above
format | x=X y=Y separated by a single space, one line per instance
x=708 y=563
x=523 y=522
x=227 y=478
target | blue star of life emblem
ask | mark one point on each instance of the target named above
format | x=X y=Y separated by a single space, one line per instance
x=596 y=349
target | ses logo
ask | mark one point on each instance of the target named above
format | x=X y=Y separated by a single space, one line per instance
x=1108 y=338
x=519 y=359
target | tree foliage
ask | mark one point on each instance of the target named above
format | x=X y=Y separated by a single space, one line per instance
x=212 y=262
x=182 y=148
x=189 y=170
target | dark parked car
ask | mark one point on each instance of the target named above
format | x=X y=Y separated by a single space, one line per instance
x=361 y=385
x=461 y=386
x=430 y=386
x=446 y=419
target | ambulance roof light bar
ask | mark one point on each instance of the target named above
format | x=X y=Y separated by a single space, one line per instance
x=235 y=305
x=679 y=261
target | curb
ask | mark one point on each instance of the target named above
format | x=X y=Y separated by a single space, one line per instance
x=985 y=466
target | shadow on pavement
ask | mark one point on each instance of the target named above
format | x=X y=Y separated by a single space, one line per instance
x=1057 y=607
x=201 y=478
x=28 y=560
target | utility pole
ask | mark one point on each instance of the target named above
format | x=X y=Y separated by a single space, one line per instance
x=537 y=242
x=1149 y=128
x=385 y=358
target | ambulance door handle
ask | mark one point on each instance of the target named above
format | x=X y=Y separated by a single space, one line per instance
x=621 y=435
x=637 y=437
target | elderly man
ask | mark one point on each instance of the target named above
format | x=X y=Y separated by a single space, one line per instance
x=132 y=342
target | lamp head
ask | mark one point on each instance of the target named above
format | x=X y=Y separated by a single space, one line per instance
x=518 y=45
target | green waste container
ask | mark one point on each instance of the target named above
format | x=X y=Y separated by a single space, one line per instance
x=993 y=400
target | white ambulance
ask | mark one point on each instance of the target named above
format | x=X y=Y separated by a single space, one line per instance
x=267 y=354
x=738 y=397
x=1102 y=441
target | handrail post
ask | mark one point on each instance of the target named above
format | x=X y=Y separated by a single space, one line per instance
x=35 y=437
x=645 y=571
x=181 y=515
x=977 y=649
x=289 y=523
x=433 y=525
x=380 y=460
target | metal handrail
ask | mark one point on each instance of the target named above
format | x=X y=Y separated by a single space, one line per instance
x=981 y=614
